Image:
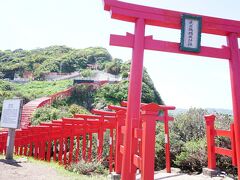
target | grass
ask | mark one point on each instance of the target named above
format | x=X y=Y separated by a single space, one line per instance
x=33 y=89
x=37 y=89
x=61 y=170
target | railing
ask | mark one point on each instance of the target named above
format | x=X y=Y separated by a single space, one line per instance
x=144 y=157
x=70 y=139
x=212 y=148
x=62 y=94
x=31 y=106
x=57 y=140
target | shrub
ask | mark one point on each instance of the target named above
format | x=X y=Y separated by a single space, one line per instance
x=86 y=73
x=160 y=147
x=87 y=168
x=83 y=95
x=46 y=114
x=76 y=109
x=114 y=67
x=125 y=75
x=189 y=125
x=188 y=142
x=193 y=156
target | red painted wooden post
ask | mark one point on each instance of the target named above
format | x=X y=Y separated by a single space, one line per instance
x=55 y=150
x=1 y=143
x=233 y=145
x=40 y=145
x=36 y=150
x=5 y=144
x=84 y=145
x=49 y=145
x=43 y=144
x=17 y=144
x=30 y=152
x=20 y=144
x=210 y=141
x=65 y=145
x=36 y=145
x=234 y=64
x=167 y=142
x=60 y=149
x=149 y=117
x=25 y=149
x=90 y=148
x=134 y=100
x=44 y=151
x=120 y=116
x=100 y=138
x=16 y=147
x=26 y=143
x=71 y=149
x=77 y=148
x=110 y=149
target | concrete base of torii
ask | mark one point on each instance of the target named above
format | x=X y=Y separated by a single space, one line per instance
x=114 y=176
x=210 y=172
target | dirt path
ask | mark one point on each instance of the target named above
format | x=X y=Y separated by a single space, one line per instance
x=23 y=169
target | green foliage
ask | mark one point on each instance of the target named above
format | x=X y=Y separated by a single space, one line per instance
x=190 y=125
x=223 y=121
x=83 y=95
x=112 y=93
x=125 y=67
x=193 y=156
x=114 y=67
x=87 y=168
x=31 y=90
x=50 y=59
x=188 y=142
x=65 y=59
x=86 y=72
x=75 y=109
x=46 y=114
x=187 y=131
x=115 y=93
x=148 y=81
x=57 y=111
x=125 y=75
x=36 y=89
x=160 y=147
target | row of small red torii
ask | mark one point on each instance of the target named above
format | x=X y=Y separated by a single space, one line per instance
x=142 y=16
x=57 y=139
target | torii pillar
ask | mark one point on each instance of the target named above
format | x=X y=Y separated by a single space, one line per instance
x=134 y=101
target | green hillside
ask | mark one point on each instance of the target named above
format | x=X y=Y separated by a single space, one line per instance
x=50 y=59
x=64 y=59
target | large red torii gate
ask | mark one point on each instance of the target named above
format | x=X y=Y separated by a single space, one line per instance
x=142 y=16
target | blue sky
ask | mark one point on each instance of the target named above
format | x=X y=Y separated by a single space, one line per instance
x=183 y=81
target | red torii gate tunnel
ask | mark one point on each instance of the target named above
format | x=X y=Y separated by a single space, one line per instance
x=142 y=16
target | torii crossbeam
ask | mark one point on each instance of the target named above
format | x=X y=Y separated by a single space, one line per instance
x=142 y=16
